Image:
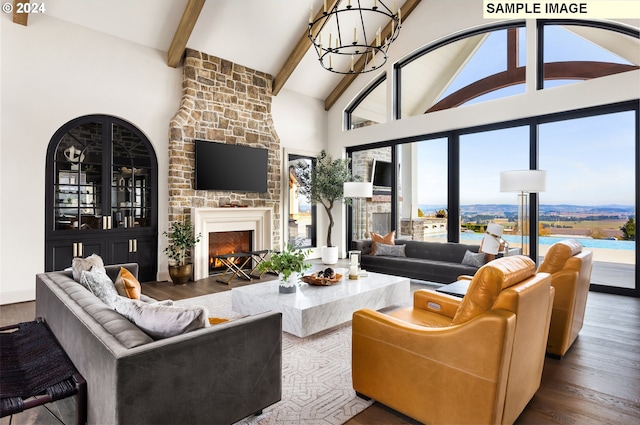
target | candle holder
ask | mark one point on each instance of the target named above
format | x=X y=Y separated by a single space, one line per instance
x=354 y=264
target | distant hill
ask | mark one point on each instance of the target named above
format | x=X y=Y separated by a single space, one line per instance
x=545 y=209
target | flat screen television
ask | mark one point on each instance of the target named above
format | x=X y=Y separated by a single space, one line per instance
x=382 y=173
x=220 y=166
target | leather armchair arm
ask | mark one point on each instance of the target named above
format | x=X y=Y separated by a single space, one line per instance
x=397 y=363
x=465 y=277
x=436 y=302
x=482 y=337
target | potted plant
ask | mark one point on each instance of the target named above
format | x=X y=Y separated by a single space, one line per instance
x=323 y=183
x=181 y=238
x=289 y=264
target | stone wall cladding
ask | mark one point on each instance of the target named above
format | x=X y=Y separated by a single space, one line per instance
x=226 y=103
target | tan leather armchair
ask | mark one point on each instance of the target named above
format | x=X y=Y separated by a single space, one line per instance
x=570 y=268
x=449 y=360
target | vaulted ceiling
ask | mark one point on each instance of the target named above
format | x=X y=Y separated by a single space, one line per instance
x=266 y=35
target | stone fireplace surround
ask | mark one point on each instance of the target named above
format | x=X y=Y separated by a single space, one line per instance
x=223 y=102
x=209 y=220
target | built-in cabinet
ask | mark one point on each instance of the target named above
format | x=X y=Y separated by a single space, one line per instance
x=101 y=195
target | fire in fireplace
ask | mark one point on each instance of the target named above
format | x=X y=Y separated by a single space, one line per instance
x=221 y=243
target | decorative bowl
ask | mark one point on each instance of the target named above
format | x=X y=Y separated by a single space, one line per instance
x=312 y=279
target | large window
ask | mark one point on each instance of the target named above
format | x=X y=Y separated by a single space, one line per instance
x=591 y=187
x=481 y=66
x=574 y=53
x=482 y=156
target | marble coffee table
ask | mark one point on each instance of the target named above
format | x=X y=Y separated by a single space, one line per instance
x=312 y=309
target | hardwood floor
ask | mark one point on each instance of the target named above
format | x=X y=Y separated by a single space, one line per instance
x=595 y=383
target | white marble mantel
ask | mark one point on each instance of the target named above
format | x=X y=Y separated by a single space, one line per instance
x=206 y=220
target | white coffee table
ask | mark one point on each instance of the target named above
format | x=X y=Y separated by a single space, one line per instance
x=312 y=309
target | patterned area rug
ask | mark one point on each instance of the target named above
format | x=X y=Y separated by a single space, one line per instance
x=316 y=372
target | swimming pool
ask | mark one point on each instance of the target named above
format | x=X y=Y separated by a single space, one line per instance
x=550 y=240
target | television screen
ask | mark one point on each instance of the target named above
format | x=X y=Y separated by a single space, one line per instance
x=382 y=173
x=230 y=167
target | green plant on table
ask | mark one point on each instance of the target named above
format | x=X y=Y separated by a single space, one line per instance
x=286 y=262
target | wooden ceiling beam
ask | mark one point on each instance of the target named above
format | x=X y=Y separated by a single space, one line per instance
x=342 y=86
x=183 y=32
x=20 y=18
x=296 y=54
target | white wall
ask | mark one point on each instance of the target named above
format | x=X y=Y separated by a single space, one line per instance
x=431 y=22
x=51 y=72
x=301 y=124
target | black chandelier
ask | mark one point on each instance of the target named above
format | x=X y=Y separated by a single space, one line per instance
x=340 y=37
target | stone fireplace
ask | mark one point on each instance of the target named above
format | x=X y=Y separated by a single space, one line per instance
x=207 y=221
x=223 y=102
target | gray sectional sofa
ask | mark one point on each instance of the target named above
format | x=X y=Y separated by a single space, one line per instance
x=214 y=375
x=430 y=261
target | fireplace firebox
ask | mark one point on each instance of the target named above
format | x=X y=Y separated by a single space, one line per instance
x=221 y=243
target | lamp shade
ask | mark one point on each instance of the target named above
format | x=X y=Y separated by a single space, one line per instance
x=494 y=229
x=490 y=245
x=528 y=181
x=358 y=190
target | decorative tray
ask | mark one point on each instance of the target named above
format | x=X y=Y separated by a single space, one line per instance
x=312 y=279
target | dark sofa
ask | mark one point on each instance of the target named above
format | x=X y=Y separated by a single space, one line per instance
x=215 y=375
x=431 y=261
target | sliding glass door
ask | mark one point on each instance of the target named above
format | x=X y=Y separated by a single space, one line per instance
x=591 y=191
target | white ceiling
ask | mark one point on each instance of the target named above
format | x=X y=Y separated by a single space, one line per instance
x=258 y=34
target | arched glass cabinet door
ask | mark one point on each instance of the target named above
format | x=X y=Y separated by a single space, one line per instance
x=131 y=171
x=78 y=176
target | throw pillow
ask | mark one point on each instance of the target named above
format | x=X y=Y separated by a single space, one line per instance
x=474 y=259
x=78 y=265
x=100 y=285
x=127 y=285
x=161 y=321
x=390 y=250
x=387 y=239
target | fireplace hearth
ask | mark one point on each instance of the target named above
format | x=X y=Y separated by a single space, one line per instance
x=232 y=242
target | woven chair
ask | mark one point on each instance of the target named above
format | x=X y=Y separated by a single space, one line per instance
x=34 y=370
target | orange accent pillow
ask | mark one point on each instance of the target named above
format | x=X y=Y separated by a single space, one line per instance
x=127 y=285
x=216 y=320
x=388 y=239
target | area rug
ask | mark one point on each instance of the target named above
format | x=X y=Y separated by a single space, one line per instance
x=316 y=372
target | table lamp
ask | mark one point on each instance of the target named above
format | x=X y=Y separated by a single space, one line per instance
x=357 y=191
x=493 y=241
x=524 y=182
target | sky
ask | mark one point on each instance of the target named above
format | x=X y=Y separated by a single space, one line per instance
x=589 y=161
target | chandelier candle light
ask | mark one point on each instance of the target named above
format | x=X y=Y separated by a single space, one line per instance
x=339 y=34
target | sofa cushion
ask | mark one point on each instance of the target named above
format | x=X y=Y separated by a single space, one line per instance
x=390 y=250
x=386 y=239
x=475 y=259
x=78 y=265
x=100 y=285
x=127 y=285
x=161 y=321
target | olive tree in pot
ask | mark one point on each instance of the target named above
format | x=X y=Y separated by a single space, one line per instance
x=323 y=183
x=181 y=238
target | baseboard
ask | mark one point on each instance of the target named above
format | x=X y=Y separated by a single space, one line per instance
x=12 y=297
